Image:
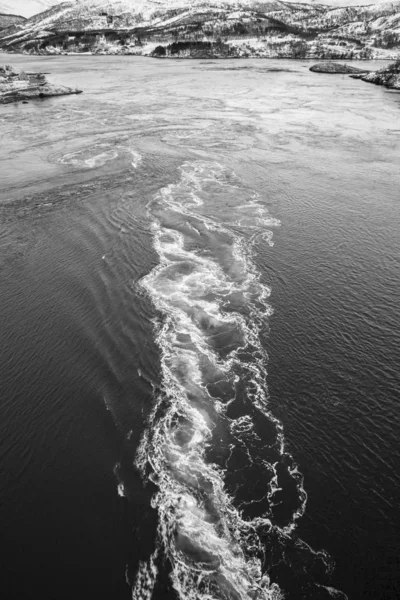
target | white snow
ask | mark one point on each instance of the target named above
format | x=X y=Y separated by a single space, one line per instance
x=27 y=8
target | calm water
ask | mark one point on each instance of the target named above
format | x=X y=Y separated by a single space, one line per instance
x=199 y=313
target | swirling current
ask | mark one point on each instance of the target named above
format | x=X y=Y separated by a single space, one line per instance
x=199 y=349
x=211 y=434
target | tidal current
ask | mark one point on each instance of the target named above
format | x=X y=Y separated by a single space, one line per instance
x=199 y=316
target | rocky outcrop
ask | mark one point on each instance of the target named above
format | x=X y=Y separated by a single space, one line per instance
x=238 y=28
x=20 y=86
x=389 y=77
x=332 y=67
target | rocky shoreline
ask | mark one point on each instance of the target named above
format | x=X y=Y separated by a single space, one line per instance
x=22 y=86
x=289 y=48
x=389 y=77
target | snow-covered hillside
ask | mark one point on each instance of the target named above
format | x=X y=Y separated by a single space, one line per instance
x=211 y=28
x=7 y=20
x=26 y=8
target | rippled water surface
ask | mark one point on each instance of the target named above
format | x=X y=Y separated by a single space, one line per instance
x=200 y=333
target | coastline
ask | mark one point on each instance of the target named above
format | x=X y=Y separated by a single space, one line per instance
x=23 y=86
x=179 y=58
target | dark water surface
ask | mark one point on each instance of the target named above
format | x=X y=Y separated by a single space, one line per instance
x=199 y=317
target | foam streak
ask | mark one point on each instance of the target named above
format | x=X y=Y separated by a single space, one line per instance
x=214 y=307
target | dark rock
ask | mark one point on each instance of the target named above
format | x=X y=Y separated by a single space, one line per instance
x=332 y=67
x=357 y=75
x=388 y=77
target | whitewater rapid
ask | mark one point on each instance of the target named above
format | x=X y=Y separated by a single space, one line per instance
x=205 y=423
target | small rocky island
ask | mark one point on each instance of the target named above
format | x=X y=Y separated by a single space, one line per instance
x=22 y=86
x=333 y=67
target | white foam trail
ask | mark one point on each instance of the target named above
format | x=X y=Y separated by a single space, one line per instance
x=214 y=306
x=145 y=578
x=334 y=593
x=98 y=155
x=136 y=158
x=79 y=158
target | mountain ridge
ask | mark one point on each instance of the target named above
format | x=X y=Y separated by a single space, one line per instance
x=29 y=8
x=272 y=28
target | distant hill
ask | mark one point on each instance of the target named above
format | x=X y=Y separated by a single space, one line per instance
x=216 y=28
x=26 y=8
x=7 y=20
x=29 y=8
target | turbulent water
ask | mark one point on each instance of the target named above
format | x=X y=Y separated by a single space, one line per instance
x=213 y=369
x=210 y=253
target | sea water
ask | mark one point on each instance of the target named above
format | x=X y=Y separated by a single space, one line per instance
x=199 y=316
